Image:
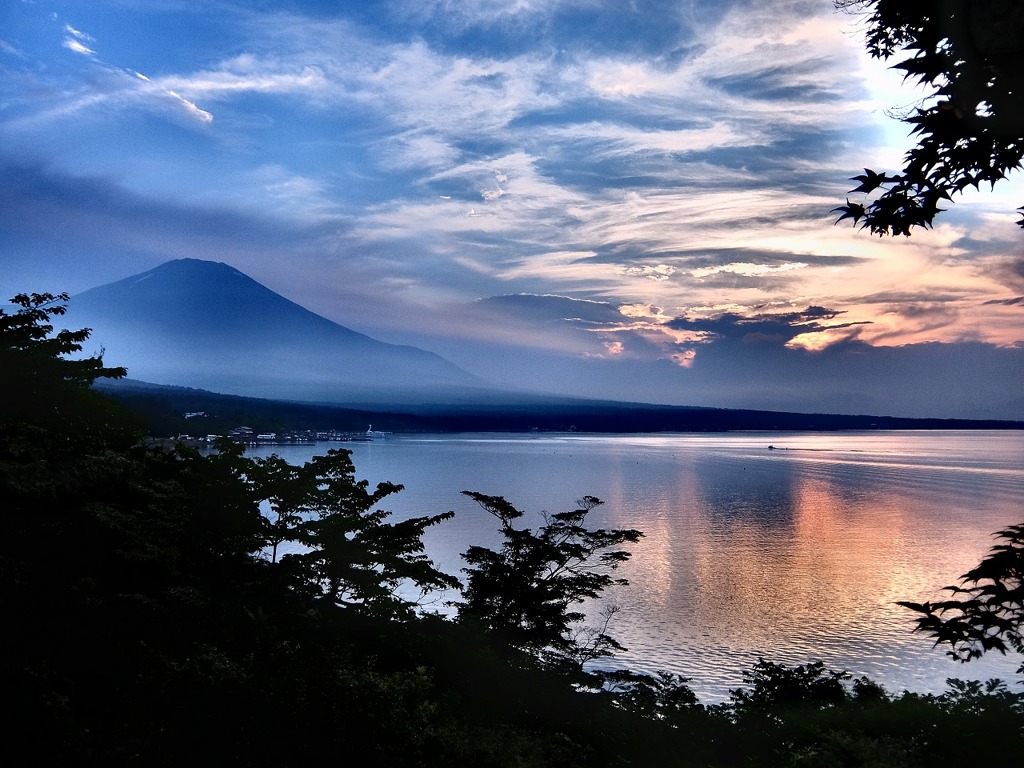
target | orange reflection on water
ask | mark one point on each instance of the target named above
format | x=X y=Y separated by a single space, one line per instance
x=826 y=570
x=656 y=558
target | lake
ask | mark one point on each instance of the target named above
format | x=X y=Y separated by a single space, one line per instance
x=796 y=552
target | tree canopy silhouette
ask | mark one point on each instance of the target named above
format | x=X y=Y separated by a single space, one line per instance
x=969 y=126
x=147 y=613
x=46 y=394
x=526 y=591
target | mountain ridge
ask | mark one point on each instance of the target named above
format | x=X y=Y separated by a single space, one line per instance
x=193 y=322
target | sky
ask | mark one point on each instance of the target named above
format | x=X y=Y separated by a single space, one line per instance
x=605 y=198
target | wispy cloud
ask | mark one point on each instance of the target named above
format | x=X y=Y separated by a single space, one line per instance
x=78 y=47
x=665 y=159
x=227 y=82
x=75 y=40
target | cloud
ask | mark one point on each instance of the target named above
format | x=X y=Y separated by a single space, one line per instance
x=109 y=88
x=461 y=14
x=436 y=105
x=645 y=333
x=673 y=162
x=78 y=35
x=75 y=41
x=773 y=328
x=70 y=215
x=223 y=83
x=685 y=359
x=642 y=311
x=200 y=114
x=10 y=50
x=551 y=307
x=749 y=362
x=242 y=75
x=1010 y=271
x=657 y=272
x=747 y=269
x=1016 y=301
x=294 y=196
x=78 y=47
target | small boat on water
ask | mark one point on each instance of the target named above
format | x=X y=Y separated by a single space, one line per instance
x=368 y=436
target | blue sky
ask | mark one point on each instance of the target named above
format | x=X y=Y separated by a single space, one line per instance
x=618 y=199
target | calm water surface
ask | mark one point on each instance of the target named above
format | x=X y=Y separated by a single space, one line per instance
x=796 y=553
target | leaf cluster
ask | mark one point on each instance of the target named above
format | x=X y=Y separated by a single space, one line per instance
x=969 y=126
x=40 y=355
x=986 y=611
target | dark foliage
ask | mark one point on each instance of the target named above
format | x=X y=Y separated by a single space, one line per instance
x=811 y=716
x=775 y=688
x=147 y=621
x=344 y=553
x=987 y=610
x=169 y=607
x=46 y=398
x=526 y=592
x=969 y=127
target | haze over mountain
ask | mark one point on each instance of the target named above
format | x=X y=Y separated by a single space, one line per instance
x=205 y=324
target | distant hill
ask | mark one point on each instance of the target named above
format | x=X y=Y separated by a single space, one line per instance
x=163 y=409
x=204 y=324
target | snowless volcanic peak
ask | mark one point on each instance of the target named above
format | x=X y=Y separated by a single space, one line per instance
x=205 y=324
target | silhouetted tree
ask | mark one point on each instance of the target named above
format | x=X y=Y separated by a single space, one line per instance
x=525 y=591
x=32 y=354
x=987 y=612
x=344 y=550
x=775 y=687
x=969 y=127
x=144 y=615
x=661 y=696
x=47 y=403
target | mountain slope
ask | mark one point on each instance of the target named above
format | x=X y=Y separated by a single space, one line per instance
x=205 y=324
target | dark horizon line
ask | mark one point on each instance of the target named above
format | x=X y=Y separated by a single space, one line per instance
x=537 y=413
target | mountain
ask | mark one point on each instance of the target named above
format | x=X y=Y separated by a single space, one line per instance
x=204 y=324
